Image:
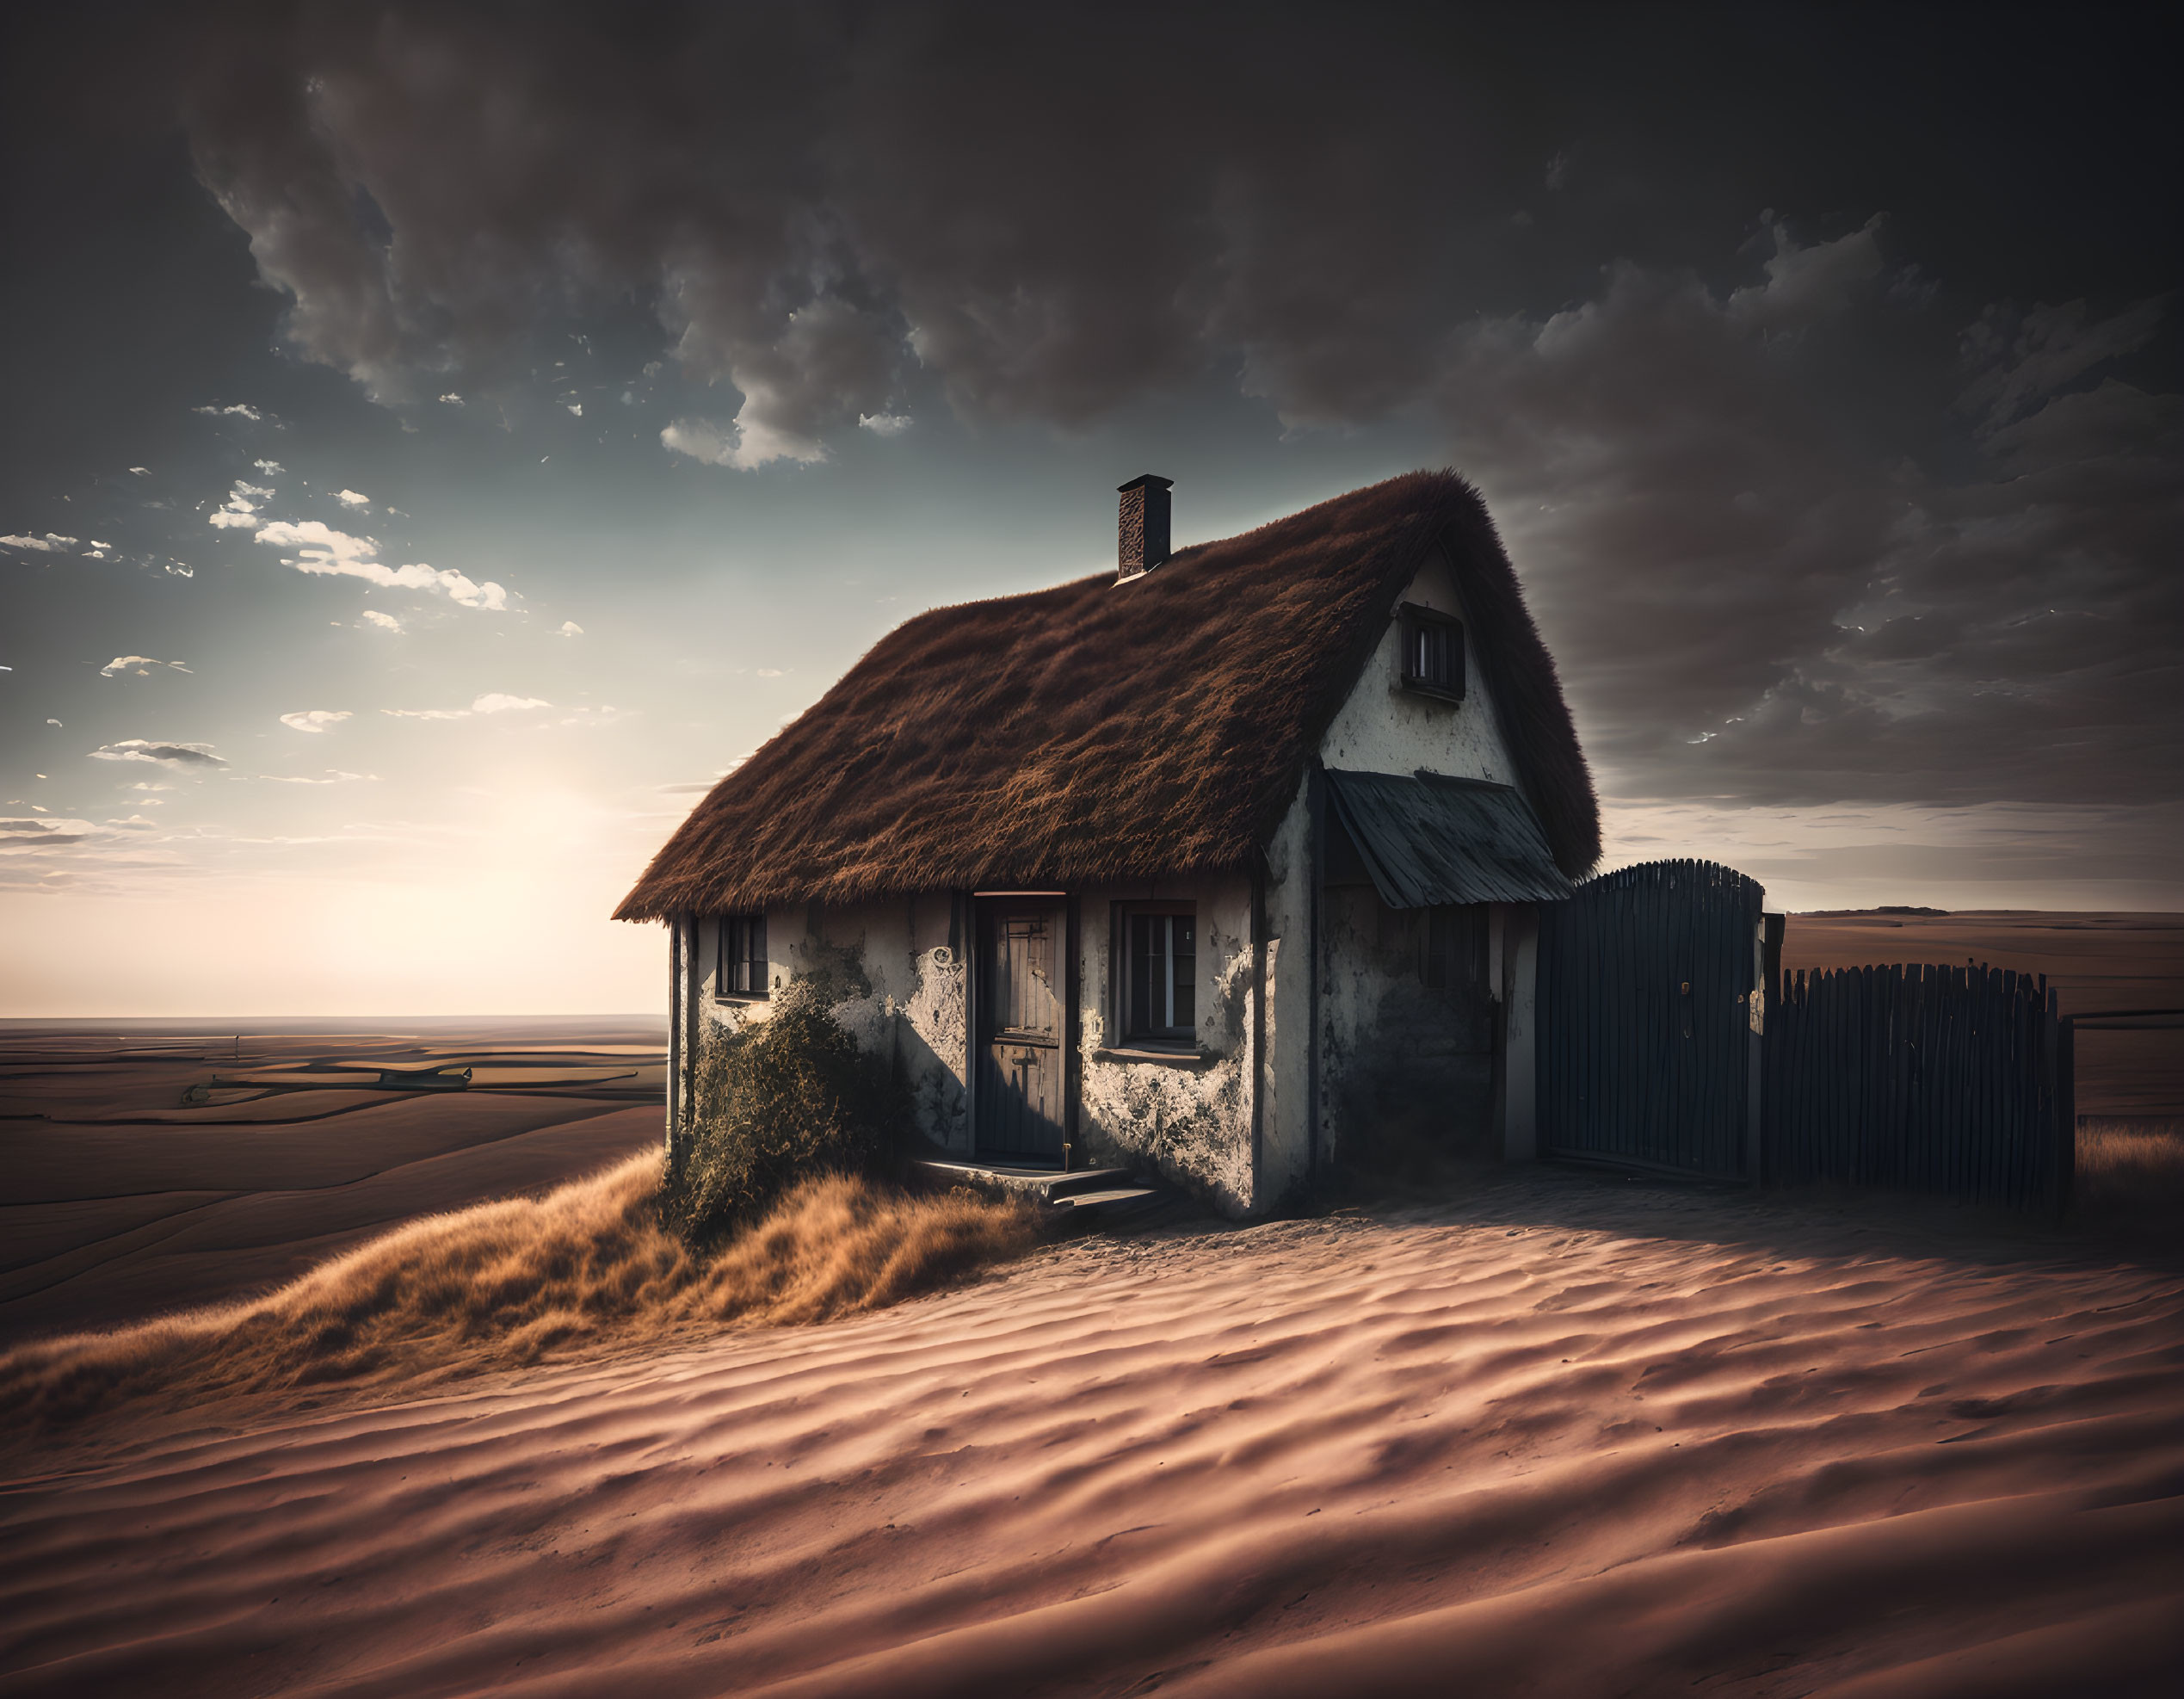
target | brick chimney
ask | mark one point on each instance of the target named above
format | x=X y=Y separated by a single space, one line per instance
x=1141 y=540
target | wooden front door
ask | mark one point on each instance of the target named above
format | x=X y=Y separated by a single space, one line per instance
x=1022 y=983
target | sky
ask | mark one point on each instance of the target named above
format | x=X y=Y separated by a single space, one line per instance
x=442 y=441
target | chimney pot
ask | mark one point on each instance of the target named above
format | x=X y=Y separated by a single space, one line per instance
x=1141 y=537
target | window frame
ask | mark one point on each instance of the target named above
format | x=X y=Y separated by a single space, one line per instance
x=739 y=942
x=1181 y=1036
x=1418 y=620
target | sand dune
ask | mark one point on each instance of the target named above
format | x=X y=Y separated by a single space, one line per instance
x=1570 y=1437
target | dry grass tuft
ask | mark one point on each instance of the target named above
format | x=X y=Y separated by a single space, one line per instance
x=2131 y=1174
x=503 y=1285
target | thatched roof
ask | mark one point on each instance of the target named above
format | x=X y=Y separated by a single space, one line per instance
x=1096 y=731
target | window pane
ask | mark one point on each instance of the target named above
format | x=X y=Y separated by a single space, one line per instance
x=1185 y=962
x=1140 y=997
x=755 y=957
x=1155 y=972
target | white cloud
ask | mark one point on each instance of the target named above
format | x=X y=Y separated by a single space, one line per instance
x=493 y=701
x=578 y=407
x=52 y=543
x=271 y=468
x=351 y=498
x=141 y=470
x=570 y=628
x=135 y=823
x=140 y=665
x=884 y=424
x=146 y=784
x=240 y=409
x=240 y=510
x=314 y=719
x=769 y=672
x=753 y=445
x=53 y=722
x=379 y=622
x=334 y=776
x=452 y=399
x=321 y=549
x=164 y=754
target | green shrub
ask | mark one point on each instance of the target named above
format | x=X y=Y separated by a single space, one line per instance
x=785 y=1099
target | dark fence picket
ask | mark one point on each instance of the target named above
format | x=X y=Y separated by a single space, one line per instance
x=1924 y=1077
x=1645 y=974
x=1951 y=1079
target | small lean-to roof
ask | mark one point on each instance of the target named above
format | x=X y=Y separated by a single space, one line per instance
x=1430 y=839
x=1101 y=731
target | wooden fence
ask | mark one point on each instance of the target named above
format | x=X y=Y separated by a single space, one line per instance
x=1649 y=1053
x=1955 y=1080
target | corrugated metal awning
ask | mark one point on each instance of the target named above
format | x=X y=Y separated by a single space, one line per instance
x=1430 y=839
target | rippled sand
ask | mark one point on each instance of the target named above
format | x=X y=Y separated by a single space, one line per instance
x=1573 y=1437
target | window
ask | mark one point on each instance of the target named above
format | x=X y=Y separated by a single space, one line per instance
x=741 y=963
x=1432 y=653
x=1159 y=975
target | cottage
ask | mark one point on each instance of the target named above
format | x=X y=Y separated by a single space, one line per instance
x=1219 y=868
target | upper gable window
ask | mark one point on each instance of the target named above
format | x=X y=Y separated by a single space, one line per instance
x=1432 y=653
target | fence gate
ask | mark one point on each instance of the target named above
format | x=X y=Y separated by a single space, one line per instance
x=1648 y=1056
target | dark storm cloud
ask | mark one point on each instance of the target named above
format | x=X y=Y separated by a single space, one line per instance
x=1051 y=213
x=1752 y=603
x=1870 y=496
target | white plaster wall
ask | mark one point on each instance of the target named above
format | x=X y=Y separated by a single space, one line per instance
x=1192 y=1125
x=1285 y=1119
x=1397 y=1059
x=904 y=998
x=1384 y=728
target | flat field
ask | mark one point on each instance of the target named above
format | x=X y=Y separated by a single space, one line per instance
x=119 y=1197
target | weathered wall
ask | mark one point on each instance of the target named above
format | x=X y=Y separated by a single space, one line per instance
x=898 y=971
x=1285 y=1125
x=1190 y=1121
x=1400 y=1062
x=901 y=972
